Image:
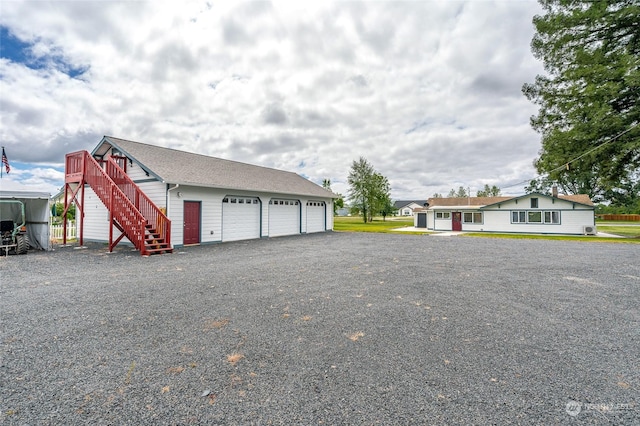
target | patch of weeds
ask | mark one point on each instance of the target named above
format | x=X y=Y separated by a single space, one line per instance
x=175 y=370
x=234 y=358
x=355 y=336
x=215 y=324
x=127 y=379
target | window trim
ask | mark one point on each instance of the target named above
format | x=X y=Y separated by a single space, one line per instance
x=473 y=218
x=543 y=217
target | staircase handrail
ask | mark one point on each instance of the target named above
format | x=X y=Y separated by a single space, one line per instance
x=117 y=202
x=152 y=213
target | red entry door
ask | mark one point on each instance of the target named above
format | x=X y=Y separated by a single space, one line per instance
x=456 y=221
x=191 y=234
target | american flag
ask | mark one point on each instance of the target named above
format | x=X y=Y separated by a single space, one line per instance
x=5 y=161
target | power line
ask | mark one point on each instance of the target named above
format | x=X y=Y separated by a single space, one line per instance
x=566 y=165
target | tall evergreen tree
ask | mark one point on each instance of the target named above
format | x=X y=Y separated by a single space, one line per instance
x=460 y=193
x=489 y=191
x=589 y=98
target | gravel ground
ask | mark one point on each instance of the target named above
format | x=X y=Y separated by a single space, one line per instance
x=336 y=328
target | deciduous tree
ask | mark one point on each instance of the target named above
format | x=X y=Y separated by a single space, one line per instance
x=369 y=191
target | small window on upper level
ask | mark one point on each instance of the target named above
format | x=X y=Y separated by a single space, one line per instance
x=534 y=203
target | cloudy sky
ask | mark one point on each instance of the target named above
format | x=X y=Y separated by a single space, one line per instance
x=429 y=92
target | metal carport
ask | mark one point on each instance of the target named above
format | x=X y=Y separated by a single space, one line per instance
x=37 y=215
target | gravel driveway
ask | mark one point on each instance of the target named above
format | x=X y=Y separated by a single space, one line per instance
x=336 y=328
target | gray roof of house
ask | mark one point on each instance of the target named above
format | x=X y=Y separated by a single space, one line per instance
x=185 y=168
x=400 y=204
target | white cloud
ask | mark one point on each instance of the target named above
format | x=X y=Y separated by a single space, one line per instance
x=38 y=179
x=428 y=92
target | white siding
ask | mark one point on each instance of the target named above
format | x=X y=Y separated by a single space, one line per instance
x=96 y=222
x=136 y=173
x=96 y=219
x=156 y=191
x=442 y=224
x=211 y=213
x=329 y=214
x=497 y=218
x=573 y=217
x=571 y=222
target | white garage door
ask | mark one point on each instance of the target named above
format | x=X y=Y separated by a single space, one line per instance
x=284 y=217
x=316 y=216
x=240 y=218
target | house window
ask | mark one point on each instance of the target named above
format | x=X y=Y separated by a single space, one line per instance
x=518 y=217
x=534 y=203
x=552 y=217
x=534 y=217
x=549 y=217
x=443 y=215
x=472 y=217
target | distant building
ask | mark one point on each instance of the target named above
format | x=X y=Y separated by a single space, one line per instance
x=533 y=213
x=406 y=208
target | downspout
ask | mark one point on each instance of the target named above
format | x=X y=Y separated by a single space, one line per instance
x=169 y=199
x=169 y=196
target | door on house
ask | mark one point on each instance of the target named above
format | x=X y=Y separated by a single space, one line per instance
x=422 y=220
x=456 y=221
x=191 y=233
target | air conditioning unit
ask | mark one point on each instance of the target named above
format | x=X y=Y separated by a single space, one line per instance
x=590 y=230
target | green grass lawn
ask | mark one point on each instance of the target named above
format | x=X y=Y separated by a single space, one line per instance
x=584 y=238
x=624 y=231
x=355 y=224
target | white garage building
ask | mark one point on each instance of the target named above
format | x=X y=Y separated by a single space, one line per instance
x=206 y=199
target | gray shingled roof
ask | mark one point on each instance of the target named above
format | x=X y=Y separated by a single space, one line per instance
x=401 y=203
x=487 y=201
x=185 y=168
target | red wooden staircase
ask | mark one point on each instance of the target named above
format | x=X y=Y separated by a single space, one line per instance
x=130 y=210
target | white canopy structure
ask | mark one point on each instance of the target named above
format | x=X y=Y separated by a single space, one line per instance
x=37 y=215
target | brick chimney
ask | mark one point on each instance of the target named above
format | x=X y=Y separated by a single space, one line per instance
x=554 y=191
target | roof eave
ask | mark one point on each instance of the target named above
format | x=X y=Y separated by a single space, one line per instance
x=230 y=188
x=107 y=139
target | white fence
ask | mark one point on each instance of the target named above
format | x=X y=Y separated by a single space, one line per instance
x=58 y=230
